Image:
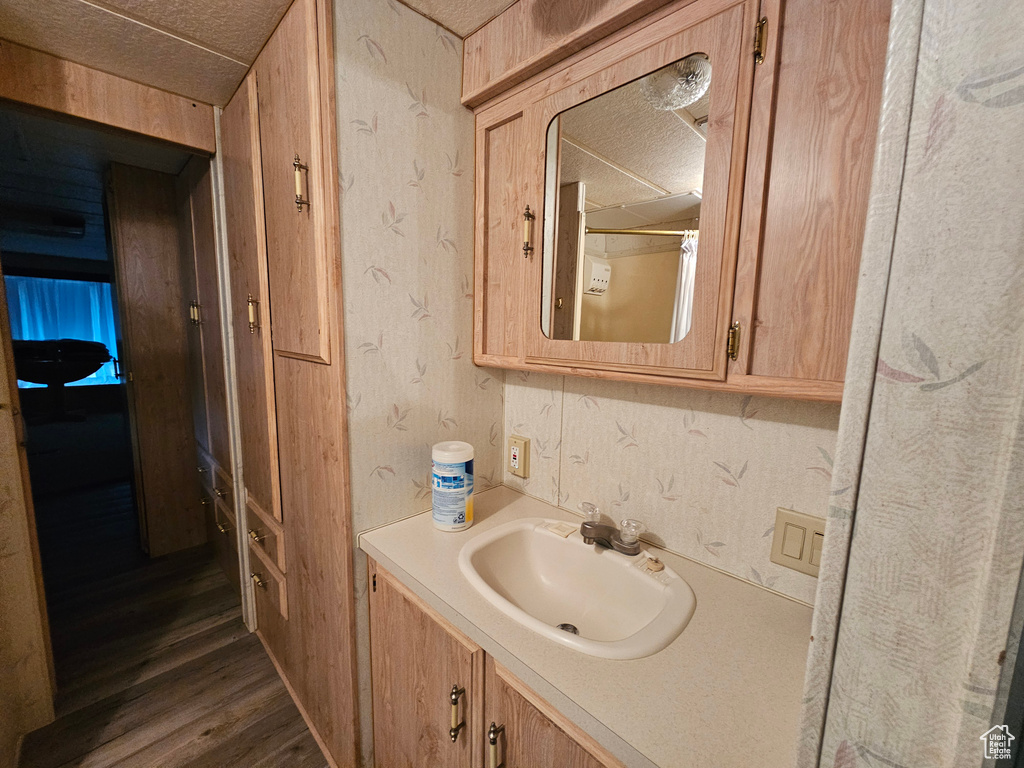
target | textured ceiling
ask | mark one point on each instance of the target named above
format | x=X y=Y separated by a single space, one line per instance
x=200 y=49
x=460 y=16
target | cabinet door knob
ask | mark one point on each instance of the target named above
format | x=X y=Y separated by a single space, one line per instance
x=457 y=725
x=258 y=580
x=492 y=740
x=255 y=535
x=223 y=528
x=221 y=493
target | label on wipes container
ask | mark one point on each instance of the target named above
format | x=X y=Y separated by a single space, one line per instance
x=453 y=494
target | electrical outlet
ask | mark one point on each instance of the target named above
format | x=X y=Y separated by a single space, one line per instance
x=798 y=541
x=519 y=456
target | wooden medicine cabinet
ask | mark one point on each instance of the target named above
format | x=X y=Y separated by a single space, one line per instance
x=697 y=187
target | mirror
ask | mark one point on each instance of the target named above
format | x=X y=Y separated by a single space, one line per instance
x=623 y=185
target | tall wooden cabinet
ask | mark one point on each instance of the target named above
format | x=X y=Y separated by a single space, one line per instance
x=794 y=104
x=418 y=658
x=280 y=165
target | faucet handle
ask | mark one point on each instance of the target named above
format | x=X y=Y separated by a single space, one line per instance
x=630 y=530
x=590 y=512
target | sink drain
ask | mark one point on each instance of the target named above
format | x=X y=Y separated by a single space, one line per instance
x=570 y=628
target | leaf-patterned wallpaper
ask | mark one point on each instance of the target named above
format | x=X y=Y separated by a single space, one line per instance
x=407 y=247
x=704 y=471
x=406 y=186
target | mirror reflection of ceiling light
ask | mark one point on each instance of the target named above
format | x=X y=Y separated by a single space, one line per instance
x=678 y=85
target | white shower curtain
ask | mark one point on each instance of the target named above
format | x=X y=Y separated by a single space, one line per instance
x=682 y=314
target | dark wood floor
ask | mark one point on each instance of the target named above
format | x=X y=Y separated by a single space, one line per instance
x=155 y=668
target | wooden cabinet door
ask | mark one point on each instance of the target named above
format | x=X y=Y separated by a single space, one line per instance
x=501 y=199
x=204 y=243
x=199 y=274
x=190 y=298
x=812 y=133
x=147 y=260
x=288 y=85
x=535 y=733
x=254 y=356
x=417 y=658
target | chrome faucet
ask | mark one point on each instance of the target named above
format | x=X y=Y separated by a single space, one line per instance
x=626 y=540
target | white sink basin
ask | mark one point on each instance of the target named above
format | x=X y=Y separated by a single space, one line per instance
x=542 y=579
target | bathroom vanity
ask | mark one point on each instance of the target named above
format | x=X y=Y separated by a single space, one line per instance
x=702 y=700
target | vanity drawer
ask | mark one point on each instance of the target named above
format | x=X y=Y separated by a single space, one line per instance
x=267 y=534
x=205 y=468
x=224 y=534
x=223 y=488
x=268 y=582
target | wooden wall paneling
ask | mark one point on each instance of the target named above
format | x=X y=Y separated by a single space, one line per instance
x=254 y=357
x=828 y=95
x=44 y=81
x=190 y=292
x=288 y=86
x=23 y=581
x=535 y=733
x=501 y=199
x=204 y=242
x=720 y=30
x=417 y=657
x=532 y=35
x=143 y=224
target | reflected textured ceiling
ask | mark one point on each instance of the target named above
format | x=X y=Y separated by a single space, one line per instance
x=200 y=49
x=625 y=151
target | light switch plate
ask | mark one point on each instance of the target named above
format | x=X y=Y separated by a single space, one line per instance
x=519 y=456
x=798 y=540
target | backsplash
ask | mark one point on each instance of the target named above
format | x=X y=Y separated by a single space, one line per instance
x=704 y=471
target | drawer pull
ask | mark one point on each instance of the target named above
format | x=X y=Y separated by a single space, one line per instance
x=259 y=581
x=255 y=535
x=492 y=740
x=457 y=725
x=221 y=493
x=223 y=528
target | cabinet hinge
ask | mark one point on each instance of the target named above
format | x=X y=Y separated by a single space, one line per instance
x=759 y=35
x=375 y=582
x=733 y=347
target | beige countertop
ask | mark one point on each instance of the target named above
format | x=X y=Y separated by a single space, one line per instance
x=726 y=690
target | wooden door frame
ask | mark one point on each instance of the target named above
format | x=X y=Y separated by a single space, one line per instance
x=26 y=481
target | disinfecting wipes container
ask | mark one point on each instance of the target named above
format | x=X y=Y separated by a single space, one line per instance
x=453 y=485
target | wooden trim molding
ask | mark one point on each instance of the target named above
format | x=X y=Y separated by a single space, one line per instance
x=794 y=389
x=46 y=82
x=530 y=36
